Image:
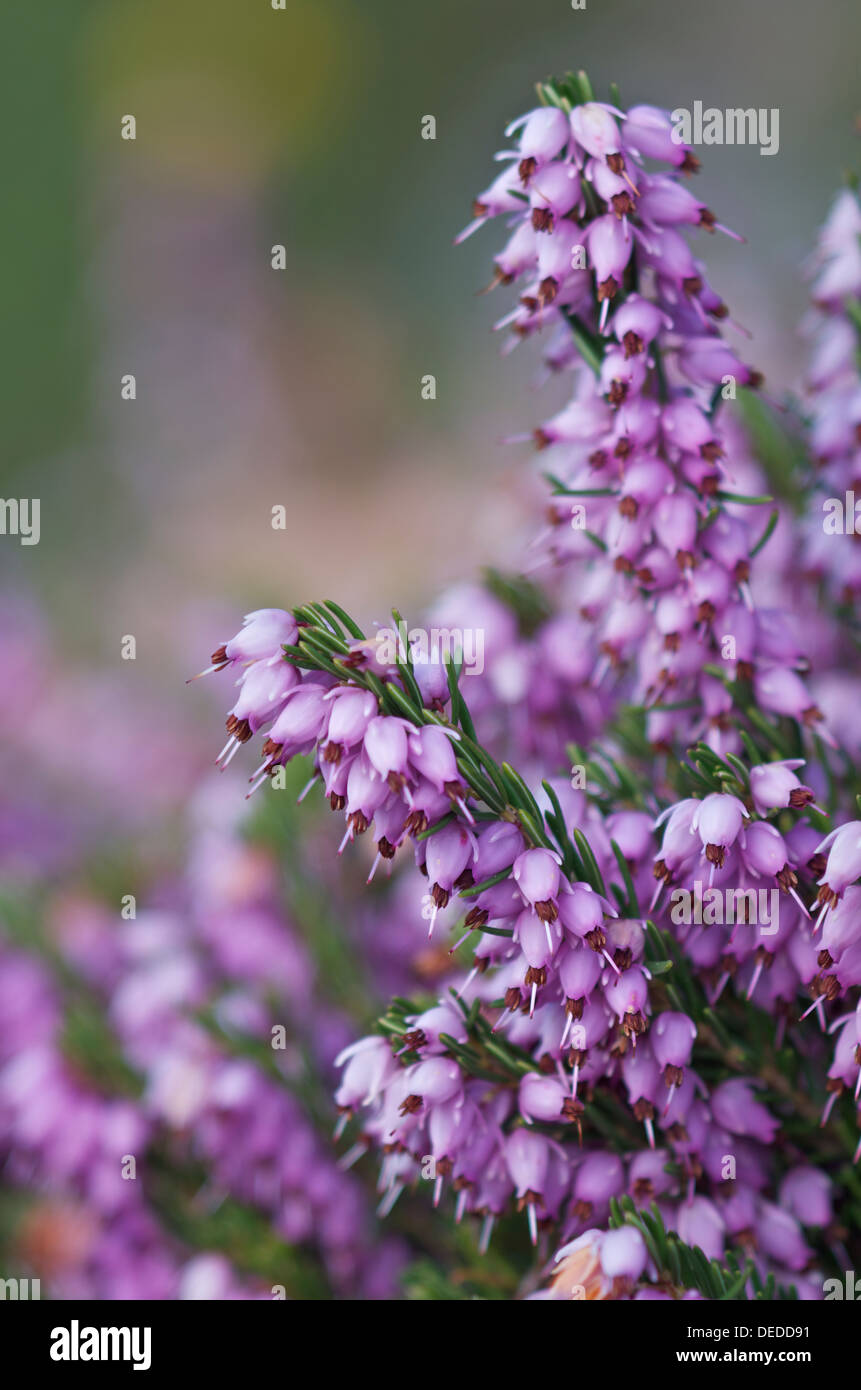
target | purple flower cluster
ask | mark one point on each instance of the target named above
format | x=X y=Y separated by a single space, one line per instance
x=221 y=949
x=834 y=401
x=623 y=925
x=91 y=1232
x=643 y=469
x=615 y=1264
x=586 y=967
x=774 y=952
x=234 y=953
x=564 y=978
x=42 y=1101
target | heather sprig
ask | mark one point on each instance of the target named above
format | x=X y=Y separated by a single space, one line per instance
x=664 y=939
x=644 y=509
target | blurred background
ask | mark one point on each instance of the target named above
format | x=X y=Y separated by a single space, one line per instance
x=301 y=388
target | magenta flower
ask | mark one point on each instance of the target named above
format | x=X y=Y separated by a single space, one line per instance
x=610 y=245
x=807 y=1194
x=260 y=638
x=554 y=192
x=536 y=873
x=719 y=822
x=542 y=1098
x=263 y=693
x=844 y=863
x=623 y=1254
x=775 y=785
x=527 y=1158
x=648 y=132
x=672 y=1039
x=627 y=994
x=699 y=1222
x=543 y=133
x=779 y=1235
x=734 y=1107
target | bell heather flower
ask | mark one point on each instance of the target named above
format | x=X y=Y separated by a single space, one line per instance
x=263 y=693
x=736 y=1109
x=775 y=785
x=648 y=470
x=260 y=638
x=672 y=1039
x=806 y=1193
x=699 y=1222
x=843 y=865
x=718 y=821
x=536 y=873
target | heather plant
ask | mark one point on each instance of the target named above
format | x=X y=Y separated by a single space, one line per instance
x=633 y=822
x=592 y=1028
x=170 y=1023
x=164 y=1126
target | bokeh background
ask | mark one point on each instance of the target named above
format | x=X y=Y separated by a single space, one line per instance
x=256 y=387
x=301 y=388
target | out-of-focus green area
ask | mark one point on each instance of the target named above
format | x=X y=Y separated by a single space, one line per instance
x=301 y=388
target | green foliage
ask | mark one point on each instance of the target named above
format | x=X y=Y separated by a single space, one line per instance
x=529 y=604
x=206 y=1220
